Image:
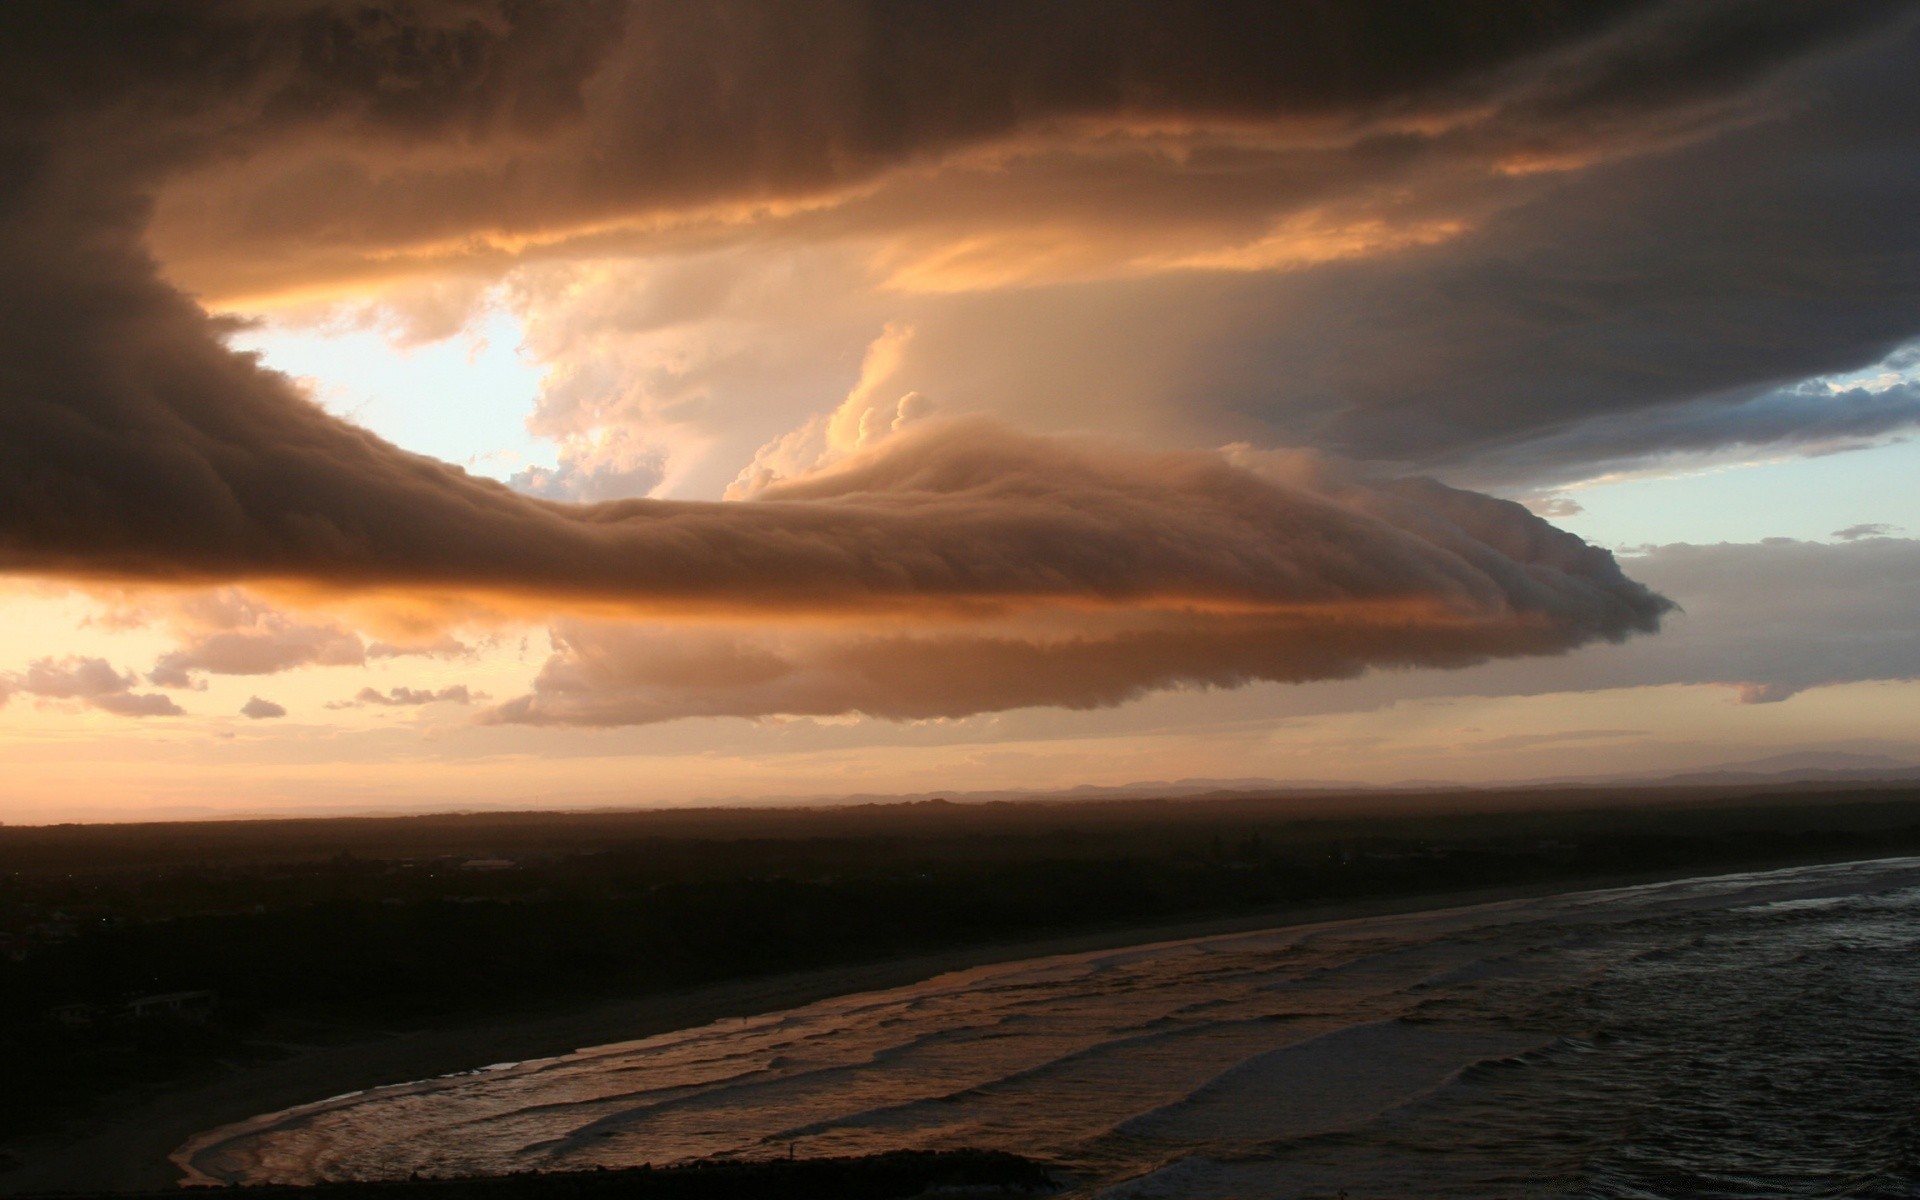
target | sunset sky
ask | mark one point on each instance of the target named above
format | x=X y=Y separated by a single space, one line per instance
x=467 y=404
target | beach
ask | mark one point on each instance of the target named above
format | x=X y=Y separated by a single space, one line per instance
x=136 y=1135
x=1743 y=1034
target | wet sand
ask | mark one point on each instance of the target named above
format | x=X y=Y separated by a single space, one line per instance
x=129 y=1146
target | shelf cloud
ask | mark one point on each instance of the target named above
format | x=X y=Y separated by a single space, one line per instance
x=1133 y=571
x=1540 y=212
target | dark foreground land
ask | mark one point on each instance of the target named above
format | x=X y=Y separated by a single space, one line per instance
x=187 y=975
x=951 y=1174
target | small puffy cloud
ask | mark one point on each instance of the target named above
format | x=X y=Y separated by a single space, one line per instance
x=576 y=479
x=256 y=709
x=423 y=310
x=74 y=678
x=257 y=654
x=229 y=632
x=233 y=631
x=443 y=645
x=1554 y=508
x=1875 y=529
x=136 y=704
x=406 y=697
x=93 y=681
x=1764 y=693
x=612 y=464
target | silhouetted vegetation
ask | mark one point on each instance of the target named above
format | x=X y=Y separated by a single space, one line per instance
x=305 y=931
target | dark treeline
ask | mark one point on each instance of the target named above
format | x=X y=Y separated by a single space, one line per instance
x=304 y=931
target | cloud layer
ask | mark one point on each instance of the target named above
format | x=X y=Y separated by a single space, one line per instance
x=1765 y=621
x=1280 y=567
x=1513 y=242
x=408 y=697
x=91 y=681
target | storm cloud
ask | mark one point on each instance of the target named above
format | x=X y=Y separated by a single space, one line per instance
x=1312 y=571
x=610 y=675
x=262 y=147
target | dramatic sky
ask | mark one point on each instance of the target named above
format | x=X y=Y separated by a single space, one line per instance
x=468 y=403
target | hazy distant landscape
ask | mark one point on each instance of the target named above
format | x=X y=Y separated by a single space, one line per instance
x=293 y=935
x=1802 y=766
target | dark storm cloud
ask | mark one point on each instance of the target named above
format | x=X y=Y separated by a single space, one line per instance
x=579 y=113
x=133 y=445
x=1810 y=419
x=1668 y=300
x=960 y=512
x=609 y=675
x=1367 y=574
x=1579 y=320
x=1709 y=276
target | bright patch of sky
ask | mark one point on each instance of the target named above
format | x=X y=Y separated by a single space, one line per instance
x=464 y=399
x=1805 y=498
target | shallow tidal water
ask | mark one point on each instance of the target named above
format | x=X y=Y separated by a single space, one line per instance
x=1741 y=1036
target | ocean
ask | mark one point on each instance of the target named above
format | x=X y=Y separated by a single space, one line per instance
x=1753 y=1035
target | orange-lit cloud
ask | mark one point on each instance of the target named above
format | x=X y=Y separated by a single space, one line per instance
x=1496 y=243
x=407 y=697
x=619 y=675
x=90 y=681
x=227 y=633
x=1289 y=568
x=468 y=138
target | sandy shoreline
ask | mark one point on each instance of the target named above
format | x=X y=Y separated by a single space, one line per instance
x=131 y=1152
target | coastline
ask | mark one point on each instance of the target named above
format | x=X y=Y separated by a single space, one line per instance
x=133 y=1150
